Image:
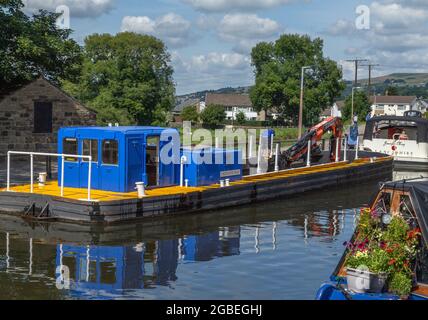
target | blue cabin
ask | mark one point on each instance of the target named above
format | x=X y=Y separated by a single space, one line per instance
x=121 y=156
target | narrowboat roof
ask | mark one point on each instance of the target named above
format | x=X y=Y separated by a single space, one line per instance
x=417 y=120
x=418 y=190
x=122 y=129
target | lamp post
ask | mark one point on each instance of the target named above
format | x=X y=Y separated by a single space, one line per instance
x=301 y=99
x=352 y=104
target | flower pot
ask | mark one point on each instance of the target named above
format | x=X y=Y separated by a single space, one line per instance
x=364 y=281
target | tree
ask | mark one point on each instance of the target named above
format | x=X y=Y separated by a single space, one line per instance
x=213 y=115
x=277 y=68
x=190 y=113
x=34 y=46
x=127 y=78
x=241 y=118
x=361 y=106
x=391 y=91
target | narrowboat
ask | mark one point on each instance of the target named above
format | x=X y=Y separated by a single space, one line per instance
x=110 y=174
x=403 y=137
x=405 y=201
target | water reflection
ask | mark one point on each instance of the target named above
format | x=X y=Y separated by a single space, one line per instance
x=257 y=252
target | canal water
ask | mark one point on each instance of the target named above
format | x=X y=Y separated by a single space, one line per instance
x=282 y=249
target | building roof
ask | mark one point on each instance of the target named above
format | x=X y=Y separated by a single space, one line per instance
x=14 y=90
x=191 y=102
x=228 y=99
x=393 y=99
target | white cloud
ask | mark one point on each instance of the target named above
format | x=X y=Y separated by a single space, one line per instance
x=234 y=5
x=397 y=37
x=78 y=8
x=245 y=30
x=172 y=28
x=212 y=70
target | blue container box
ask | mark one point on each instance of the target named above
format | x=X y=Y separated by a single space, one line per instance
x=121 y=156
x=220 y=164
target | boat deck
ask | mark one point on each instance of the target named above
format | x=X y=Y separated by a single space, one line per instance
x=52 y=188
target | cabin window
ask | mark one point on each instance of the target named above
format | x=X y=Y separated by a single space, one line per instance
x=90 y=148
x=110 y=152
x=42 y=117
x=70 y=148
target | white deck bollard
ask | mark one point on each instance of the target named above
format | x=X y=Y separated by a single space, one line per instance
x=308 y=161
x=42 y=179
x=227 y=182
x=259 y=160
x=356 y=148
x=271 y=145
x=277 y=158
x=345 y=147
x=183 y=160
x=31 y=173
x=186 y=183
x=62 y=175
x=221 y=183
x=217 y=143
x=141 y=190
x=250 y=148
x=8 y=172
x=337 y=150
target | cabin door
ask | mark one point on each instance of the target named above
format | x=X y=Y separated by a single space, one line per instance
x=135 y=162
x=152 y=161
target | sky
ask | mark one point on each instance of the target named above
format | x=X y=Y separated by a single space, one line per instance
x=210 y=41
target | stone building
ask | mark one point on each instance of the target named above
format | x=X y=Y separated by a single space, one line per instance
x=31 y=115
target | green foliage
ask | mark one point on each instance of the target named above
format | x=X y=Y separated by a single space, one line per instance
x=190 y=113
x=361 y=106
x=33 y=46
x=400 y=284
x=213 y=116
x=391 y=251
x=278 y=72
x=397 y=231
x=391 y=91
x=241 y=119
x=127 y=78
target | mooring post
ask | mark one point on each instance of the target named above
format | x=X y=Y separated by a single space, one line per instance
x=31 y=173
x=345 y=147
x=62 y=175
x=8 y=172
x=337 y=150
x=356 y=148
x=277 y=158
x=308 y=160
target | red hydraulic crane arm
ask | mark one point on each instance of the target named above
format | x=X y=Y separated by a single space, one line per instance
x=315 y=134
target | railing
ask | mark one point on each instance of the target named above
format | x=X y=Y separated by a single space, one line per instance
x=62 y=156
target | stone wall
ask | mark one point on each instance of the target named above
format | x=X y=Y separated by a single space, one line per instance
x=17 y=117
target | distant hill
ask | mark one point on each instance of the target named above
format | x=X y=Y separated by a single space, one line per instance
x=407 y=83
x=201 y=94
x=412 y=79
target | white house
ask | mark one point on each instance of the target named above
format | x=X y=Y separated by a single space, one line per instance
x=334 y=111
x=394 y=105
x=233 y=104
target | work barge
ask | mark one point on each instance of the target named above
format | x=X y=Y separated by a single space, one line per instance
x=100 y=167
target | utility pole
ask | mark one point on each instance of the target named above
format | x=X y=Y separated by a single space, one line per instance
x=357 y=61
x=370 y=66
x=302 y=84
